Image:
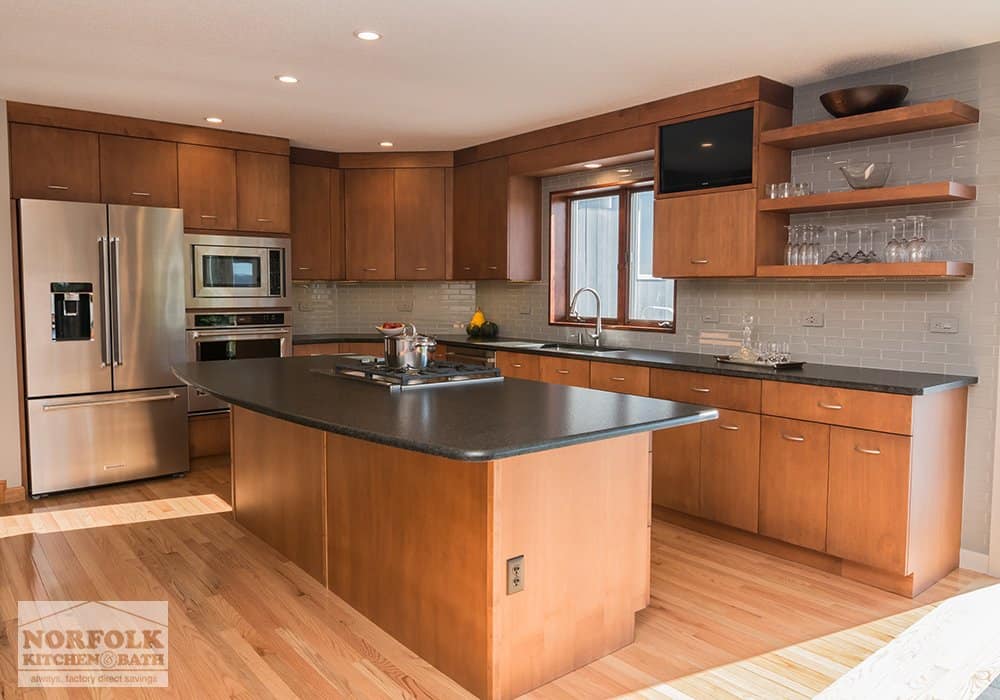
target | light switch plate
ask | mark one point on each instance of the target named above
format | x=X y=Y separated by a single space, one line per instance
x=942 y=323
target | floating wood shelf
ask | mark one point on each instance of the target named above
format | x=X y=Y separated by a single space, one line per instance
x=889 y=122
x=923 y=193
x=868 y=270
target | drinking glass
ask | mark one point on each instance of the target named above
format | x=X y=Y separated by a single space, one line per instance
x=792 y=249
x=784 y=190
x=870 y=255
x=771 y=190
x=801 y=189
x=897 y=240
x=858 y=256
x=918 y=248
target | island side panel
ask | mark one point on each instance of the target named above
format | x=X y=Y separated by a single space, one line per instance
x=580 y=516
x=409 y=548
x=279 y=486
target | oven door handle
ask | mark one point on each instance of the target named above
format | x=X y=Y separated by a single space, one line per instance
x=239 y=335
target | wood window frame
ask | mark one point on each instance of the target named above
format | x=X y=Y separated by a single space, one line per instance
x=559 y=257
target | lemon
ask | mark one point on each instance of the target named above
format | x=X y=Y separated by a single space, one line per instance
x=478 y=318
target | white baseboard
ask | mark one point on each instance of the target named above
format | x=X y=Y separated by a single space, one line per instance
x=975 y=561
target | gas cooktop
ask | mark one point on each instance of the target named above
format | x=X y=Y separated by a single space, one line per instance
x=436 y=374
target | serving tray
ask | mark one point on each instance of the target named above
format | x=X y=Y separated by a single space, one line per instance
x=752 y=363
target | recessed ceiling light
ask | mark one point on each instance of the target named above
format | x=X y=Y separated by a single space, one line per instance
x=386 y=144
x=213 y=120
x=591 y=166
x=624 y=171
x=367 y=35
x=707 y=144
x=289 y=79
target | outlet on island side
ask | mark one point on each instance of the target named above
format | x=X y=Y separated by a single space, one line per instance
x=515 y=574
x=813 y=319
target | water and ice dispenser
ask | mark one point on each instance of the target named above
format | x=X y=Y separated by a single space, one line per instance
x=72 y=310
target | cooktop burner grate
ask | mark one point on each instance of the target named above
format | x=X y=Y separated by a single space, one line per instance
x=436 y=374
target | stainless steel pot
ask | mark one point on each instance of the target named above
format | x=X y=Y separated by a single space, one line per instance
x=409 y=350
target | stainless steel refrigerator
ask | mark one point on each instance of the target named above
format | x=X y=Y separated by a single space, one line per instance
x=103 y=314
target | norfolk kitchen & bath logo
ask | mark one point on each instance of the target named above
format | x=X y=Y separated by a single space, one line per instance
x=92 y=644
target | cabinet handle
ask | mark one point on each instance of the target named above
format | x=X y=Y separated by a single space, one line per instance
x=140 y=194
x=617 y=379
x=209 y=216
x=491 y=267
x=831 y=406
x=371 y=269
x=701 y=389
x=729 y=427
x=562 y=371
x=699 y=261
x=422 y=268
x=466 y=268
x=263 y=221
x=865 y=451
x=514 y=364
x=58 y=187
x=305 y=268
x=793 y=438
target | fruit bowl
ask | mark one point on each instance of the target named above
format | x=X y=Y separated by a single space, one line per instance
x=864 y=176
x=863 y=99
x=391 y=330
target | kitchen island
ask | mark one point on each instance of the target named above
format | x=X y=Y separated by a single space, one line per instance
x=499 y=530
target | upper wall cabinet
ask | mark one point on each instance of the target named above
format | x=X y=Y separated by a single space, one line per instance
x=420 y=215
x=50 y=163
x=138 y=171
x=496 y=220
x=369 y=224
x=707 y=235
x=262 y=192
x=207 y=183
x=317 y=210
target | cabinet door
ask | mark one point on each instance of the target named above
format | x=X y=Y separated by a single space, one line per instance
x=338 y=251
x=262 y=192
x=420 y=223
x=369 y=224
x=519 y=366
x=869 y=498
x=677 y=468
x=493 y=218
x=705 y=235
x=468 y=254
x=794 y=471
x=48 y=163
x=311 y=223
x=730 y=469
x=138 y=171
x=207 y=185
x=363 y=348
x=561 y=370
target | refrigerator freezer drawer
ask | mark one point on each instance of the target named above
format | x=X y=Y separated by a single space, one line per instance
x=97 y=439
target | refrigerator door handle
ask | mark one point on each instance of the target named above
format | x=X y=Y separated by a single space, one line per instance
x=110 y=402
x=116 y=302
x=104 y=296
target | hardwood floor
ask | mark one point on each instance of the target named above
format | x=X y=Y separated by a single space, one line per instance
x=724 y=621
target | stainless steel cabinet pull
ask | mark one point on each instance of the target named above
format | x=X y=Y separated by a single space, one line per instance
x=115 y=278
x=617 y=379
x=371 y=269
x=209 y=216
x=466 y=268
x=263 y=221
x=729 y=427
x=701 y=389
x=140 y=194
x=305 y=268
x=793 y=438
x=514 y=364
x=492 y=267
x=699 y=261
x=562 y=371
x=866 y=451
x=111 y=402
x=831 y=406
x=421 y=269
x=57 y=187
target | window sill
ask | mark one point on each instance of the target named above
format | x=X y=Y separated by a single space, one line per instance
x=672 y=328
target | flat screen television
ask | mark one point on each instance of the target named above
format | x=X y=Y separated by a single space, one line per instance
x=714 y=151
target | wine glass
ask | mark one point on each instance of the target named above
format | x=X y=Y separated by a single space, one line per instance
x=858 y=256
x=870 y=255
x=835 y=255
x=918 y=244
x=897 y=240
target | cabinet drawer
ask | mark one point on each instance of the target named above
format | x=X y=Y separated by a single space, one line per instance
x=869 y=498
x=625 y=379
x=560 y=370
x=794 y=471
x=730 y=469
x=316 y=349
x=519 y=366
x=733 y=393
x=887 y=413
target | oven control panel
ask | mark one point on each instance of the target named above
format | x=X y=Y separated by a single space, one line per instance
x=236 y=320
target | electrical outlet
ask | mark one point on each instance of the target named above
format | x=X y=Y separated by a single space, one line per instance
x=942 y=323
x=710 y=317
x=813 y=319
x=515 y=574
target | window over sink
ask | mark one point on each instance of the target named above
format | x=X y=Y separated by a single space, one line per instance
x=602 y=237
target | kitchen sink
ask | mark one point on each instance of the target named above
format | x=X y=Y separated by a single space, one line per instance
x=569 y=347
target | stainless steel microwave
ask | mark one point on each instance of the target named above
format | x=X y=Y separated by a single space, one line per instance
x=237 y=271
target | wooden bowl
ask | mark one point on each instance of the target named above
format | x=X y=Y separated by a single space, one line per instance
x=863 y=99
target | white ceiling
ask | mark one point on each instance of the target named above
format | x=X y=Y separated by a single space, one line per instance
x=448 y=73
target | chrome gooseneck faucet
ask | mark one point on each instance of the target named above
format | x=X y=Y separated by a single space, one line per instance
x=573 y=313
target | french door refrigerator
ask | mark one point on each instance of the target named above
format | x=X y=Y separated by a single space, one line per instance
x=103 y=319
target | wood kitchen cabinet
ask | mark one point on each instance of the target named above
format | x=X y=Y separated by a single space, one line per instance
x=262 y=191
x=50 y=163
x=794 y=473
x=314 y=349
x=207 y=186
x=496 y=222
x=369 y=224
x=677 y=468
x=138 y=171
x=562 y=370
x=730 y=469
x=420 y=217
x=518 y=365
x=624 y=379
x=317 y=230
x=705 y=235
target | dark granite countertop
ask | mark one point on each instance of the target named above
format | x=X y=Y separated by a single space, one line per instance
x=473 y=423
x=865 y=379
x=314 y=338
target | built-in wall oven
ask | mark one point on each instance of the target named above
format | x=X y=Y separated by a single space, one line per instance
x=237 y=271
x=225 y=335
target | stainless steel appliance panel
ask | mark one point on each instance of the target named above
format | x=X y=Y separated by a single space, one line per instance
x=82 y=441
x=63 y=242
x=226 y=271
x=146 y=251
x=471 y=356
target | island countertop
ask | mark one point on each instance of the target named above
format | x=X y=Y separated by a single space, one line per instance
x=473 y=422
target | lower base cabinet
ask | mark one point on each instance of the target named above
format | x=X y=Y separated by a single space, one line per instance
x=677 y=468
x=730 y=469
x=794 y=472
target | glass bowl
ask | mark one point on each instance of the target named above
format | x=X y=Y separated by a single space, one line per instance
x=864 y=176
